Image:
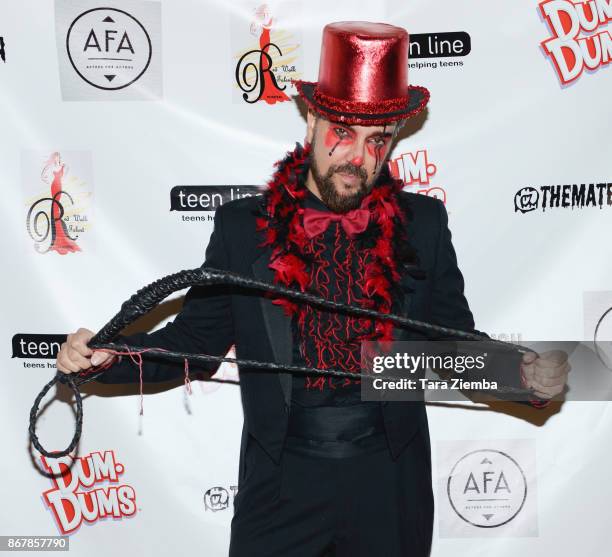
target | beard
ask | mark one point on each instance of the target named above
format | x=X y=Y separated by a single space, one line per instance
x=339 y=202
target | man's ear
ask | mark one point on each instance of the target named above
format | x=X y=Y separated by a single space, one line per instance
x=311 y=119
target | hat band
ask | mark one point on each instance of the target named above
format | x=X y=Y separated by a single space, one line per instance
x=360 y=107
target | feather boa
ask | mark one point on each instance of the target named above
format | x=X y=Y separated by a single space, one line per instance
x=385 y=236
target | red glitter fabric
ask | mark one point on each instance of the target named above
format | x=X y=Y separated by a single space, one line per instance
x=363 y=75
x=359 y=113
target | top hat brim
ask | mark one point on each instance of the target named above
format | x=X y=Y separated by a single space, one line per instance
x=417 y=98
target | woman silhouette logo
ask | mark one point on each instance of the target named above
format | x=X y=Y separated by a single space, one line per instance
x=45 y=220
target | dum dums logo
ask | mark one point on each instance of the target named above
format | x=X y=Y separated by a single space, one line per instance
x=87 y=489
x=415 y=169
x=108 y=48
x=580 y=38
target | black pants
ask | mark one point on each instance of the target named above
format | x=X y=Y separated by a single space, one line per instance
x=368 y=505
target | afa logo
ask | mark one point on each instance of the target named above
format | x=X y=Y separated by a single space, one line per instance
x=108 y=48
x=487 y=488
x=79 y=492
x=106 y=53
x=580 y=36
x=416 y=169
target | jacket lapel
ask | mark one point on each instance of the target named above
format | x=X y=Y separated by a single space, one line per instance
x=278 y=325
x=403 y=308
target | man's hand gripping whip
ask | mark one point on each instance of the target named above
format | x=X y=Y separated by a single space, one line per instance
x=148 y=297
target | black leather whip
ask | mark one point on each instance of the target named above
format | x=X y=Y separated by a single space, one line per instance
x=149 y=296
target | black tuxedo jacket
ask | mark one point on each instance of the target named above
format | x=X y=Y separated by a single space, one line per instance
x=213 y=319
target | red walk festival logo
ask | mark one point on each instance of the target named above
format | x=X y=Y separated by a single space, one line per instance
x=580 y=36
x=415 y=169
x=58 y=195
x=267 y=56
x=88 y=489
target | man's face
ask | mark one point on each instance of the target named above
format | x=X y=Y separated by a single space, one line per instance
x=346 y=160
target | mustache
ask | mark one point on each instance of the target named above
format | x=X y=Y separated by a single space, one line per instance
x=349 y=168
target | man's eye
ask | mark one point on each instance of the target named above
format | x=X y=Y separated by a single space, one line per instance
x=379 y=140
x=341 y=132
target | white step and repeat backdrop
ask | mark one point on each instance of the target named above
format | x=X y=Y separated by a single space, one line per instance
x=130 y=115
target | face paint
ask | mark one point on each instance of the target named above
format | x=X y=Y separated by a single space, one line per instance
x=328 y=190
x=333 y=139
x=334 y=147
x=377 y=144
x=377 y=150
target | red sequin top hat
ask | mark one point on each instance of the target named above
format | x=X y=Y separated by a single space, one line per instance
x=363 y=75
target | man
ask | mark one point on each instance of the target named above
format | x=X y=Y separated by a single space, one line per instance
x=321 y=471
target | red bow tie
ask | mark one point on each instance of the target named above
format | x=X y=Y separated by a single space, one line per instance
x=353 y=222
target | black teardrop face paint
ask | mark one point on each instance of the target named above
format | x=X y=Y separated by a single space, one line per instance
x=338 y=134
x=334 y=147
x=378 y=151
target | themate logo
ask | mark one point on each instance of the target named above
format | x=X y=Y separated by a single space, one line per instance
x=580 y=36
x=566 y=196
x=77 y=495
x=219 y=498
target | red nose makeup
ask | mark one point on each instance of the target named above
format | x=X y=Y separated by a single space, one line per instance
x=357 y=161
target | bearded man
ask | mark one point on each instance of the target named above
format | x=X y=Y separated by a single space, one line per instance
x=323 y=472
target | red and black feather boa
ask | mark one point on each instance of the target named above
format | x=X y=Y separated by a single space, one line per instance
x=385 y=236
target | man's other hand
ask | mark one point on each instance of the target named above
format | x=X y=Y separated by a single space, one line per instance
x=546 y=374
